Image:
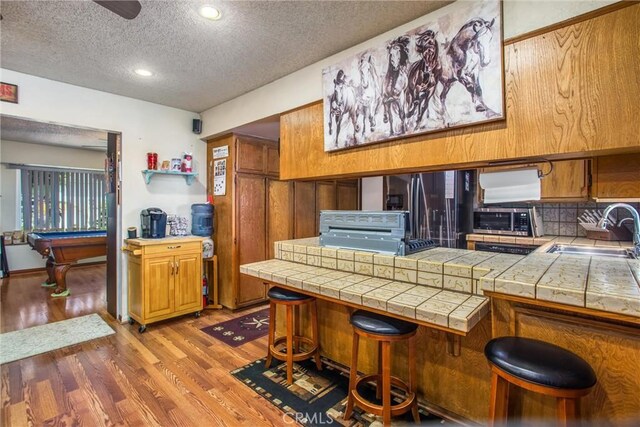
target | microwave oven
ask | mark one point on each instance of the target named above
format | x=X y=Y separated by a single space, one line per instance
x=507 y=221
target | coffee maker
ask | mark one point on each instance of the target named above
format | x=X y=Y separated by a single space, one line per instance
x=153 y=222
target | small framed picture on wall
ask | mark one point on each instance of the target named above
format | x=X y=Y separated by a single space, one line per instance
x=8 y=92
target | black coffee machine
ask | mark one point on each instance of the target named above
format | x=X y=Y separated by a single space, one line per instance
x=153 y=222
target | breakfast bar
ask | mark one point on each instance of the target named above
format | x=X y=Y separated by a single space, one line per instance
x=450 y=292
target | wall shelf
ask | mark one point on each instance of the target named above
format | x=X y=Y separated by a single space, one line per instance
x=188 y=176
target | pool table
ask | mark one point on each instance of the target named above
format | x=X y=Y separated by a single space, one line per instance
x=64 y=248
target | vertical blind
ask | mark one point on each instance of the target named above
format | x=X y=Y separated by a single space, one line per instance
x=63 y=199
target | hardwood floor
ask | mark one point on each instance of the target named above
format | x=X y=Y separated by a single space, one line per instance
x=173 y=374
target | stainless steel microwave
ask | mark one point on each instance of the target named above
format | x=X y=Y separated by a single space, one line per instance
x=507 y=221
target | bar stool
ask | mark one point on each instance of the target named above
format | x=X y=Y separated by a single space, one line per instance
x=539 y=367
x=384 y=330
x=292 y=300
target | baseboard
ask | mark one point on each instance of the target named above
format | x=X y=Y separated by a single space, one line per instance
x=43 y=269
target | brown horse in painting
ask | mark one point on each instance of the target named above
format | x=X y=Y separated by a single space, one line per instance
x=423 y=76
x=463 y=59
x=395 y=83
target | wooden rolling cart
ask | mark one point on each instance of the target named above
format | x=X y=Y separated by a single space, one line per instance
x=211 y=271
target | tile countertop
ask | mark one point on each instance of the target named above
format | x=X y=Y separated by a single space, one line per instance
x=539 y=241
x=391 y=283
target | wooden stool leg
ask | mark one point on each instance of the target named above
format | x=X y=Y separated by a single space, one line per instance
x=296 y=322
x=566 y=411
x=289 y=344
x=499 y=400
x=353 y=375
x=379 y=382
x=314 y=331
x=386 y=383
x=272 y=332
x=413 y=386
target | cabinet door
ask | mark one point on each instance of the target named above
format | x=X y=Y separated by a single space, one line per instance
x=347 y=195
x=250 y=155
x=616 y=177
x=251 y=229
x=304 y=210
x=158 y=290
x=188 y=282
x=279 y=213
x=568 y=180
x=273 y=160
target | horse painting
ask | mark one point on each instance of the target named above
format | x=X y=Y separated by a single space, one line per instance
x=368 y=91
x=423 y=76
x=342 y=102
x=395 y=83
x=464 y=58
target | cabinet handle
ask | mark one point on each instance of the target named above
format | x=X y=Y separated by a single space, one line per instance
x=174 y=247
x=177 y=268
x=173 y=267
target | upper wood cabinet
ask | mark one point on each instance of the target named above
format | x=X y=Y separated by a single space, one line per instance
x=568 y=181
x=616 y=177
x=255 y=155
x=557 y=105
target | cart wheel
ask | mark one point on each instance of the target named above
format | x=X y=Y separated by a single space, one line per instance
x=197 y=314
x=142 y=328
x=131 y=321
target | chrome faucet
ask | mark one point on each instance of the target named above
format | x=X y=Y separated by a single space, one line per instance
x=603 y=223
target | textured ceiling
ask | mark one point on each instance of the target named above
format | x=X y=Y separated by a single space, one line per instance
x=197 y=63
x=33 y=132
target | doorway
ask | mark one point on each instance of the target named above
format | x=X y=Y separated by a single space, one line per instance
x=73 y=149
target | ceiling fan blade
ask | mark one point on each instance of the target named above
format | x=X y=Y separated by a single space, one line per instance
x=128 y=9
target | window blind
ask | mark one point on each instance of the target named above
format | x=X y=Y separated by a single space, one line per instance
x=63 y=199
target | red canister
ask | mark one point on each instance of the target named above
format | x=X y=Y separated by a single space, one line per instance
x=152 y=161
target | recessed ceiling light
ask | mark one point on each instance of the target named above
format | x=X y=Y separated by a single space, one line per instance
x=144 y=73
x=210 y=12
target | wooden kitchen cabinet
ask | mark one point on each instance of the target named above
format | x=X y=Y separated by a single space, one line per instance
x=616 y=178
x=257 y=210
x=568 y=181
x=164 y=277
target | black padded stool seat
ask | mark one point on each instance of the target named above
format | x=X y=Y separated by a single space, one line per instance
x=379 y=324
x=538 y=367
x=540 y=362
x=286 y=295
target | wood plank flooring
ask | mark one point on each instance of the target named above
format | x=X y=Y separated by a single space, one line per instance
x=173 y=374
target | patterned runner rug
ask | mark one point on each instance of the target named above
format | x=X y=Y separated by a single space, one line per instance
x=29 y=342
x=240 y=330
x=316 y=397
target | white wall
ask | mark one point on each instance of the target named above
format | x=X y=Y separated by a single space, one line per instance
x=305 y=86
x=144 y=127
x=372 y=197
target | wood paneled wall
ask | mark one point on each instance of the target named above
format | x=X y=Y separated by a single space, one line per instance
x=570 y=93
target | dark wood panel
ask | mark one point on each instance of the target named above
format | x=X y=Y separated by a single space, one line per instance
x=325 y=199
x=273 y=160
x=616 y=177
x=558 y=106
x=279 y=213
x=251 y=231
x=224 y=231
x=251 y=155
x=347 y=195
x=304 y=207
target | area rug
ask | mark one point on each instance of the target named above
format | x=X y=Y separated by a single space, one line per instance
x=242 y=329
x=316 y=397
x=29 y=342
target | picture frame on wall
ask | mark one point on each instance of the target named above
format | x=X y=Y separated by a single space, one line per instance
x=8 y=92
x=444 y=74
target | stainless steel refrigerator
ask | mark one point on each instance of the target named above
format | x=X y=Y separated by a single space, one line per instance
x=440 y=204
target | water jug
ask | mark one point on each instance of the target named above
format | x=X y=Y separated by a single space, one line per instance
x=202 y=219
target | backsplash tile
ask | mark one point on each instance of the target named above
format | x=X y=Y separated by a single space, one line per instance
x=561 y=219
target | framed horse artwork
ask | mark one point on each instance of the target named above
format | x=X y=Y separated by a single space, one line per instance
x=447 y=73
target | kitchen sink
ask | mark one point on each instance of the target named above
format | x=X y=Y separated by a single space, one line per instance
x=591 y=251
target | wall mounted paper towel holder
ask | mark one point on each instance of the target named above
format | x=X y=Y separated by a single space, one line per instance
x=524 y=165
